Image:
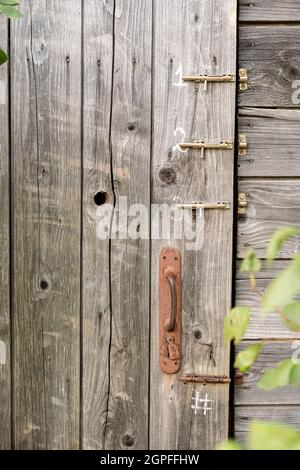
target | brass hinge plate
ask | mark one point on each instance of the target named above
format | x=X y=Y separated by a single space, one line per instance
x=205 y=205
x=243 y=202
x=243 y=74
x=243 y=145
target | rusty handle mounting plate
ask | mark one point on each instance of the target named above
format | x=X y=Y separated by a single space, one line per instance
x=170 y=310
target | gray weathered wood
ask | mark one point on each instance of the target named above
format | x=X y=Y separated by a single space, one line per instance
x=5 y=345
x=200 y=37
x=247 y=392
x=46 y=90
x=267 y=271
x=269 y=10
x=116 y=275
x=272 y=204
x=260 y=326
x=289 y=415
x=273 y=142
x=270 y=53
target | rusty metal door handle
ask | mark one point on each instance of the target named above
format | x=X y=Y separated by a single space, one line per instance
x=171 y=323
x=170 y=312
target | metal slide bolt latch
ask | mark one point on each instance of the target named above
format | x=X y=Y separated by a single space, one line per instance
x=170 y=311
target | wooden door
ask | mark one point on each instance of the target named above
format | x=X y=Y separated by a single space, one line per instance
x=95 y=111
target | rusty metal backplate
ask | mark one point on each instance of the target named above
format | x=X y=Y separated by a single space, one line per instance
x=170 y=338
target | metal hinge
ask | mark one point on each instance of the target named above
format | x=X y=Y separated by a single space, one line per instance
x=208 y=79
x=206 y=379
x=205 y=205
x=242 y=145
x=243 y=73
x=243 y=202
x=202 y=146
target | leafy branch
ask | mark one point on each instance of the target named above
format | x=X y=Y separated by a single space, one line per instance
x=9 y=9
x=279 y=298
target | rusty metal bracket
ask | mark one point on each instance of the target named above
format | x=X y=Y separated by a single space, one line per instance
x=206 y=379
x=170 y=310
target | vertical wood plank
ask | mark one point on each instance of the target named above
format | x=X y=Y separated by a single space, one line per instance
x=5 y=359
x=46 y=94
x=194 y=37
x=117 y=129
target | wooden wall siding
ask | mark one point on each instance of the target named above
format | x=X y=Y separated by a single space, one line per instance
x=247 y=393
x=273 y=203
x=269 y=10
x=5 y=382
x=117 y=142
x=289 y=415
x=271 y=55
x=269 y=173
x=273 y=142
x=45 y=87
x=182 y=27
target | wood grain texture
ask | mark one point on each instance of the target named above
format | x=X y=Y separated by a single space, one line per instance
x=247 y=393
x=197 y=37
x=271 y=55
x=273 y=143
x=269 y=10
x=289 y=415
x=46 y=47
x=267 y=272
x=260 y=326
x=116 y=274
x=5 y=345
x=272 y=204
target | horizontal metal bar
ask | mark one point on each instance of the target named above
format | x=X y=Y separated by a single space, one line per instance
x=205 y=205
x=208 y=78
x=197 y=145
x=206 y=379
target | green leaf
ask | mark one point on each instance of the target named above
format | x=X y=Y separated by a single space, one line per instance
x=3 y=57
x=9 y=11
x=251 y=264
x=10 y=2
x=278 y=240
x=271 y=436
x=282 y=290
x=236 y=324
x=286 y=373
x=230 y=445
x=246 y=358
x=291 y=316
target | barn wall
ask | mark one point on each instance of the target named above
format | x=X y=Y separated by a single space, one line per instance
x=269 y=47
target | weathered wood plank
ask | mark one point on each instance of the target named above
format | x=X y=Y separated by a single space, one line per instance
x=273 y=143
x=247 y=392
x=96 y=312
x=266 y=272
x=289 y=415
x=269 y=10
x=260 y=326
x=272 y=204
x=46 y=45
x=5 y=346
x=271 y=55
x=116 y=343
x=206 y=273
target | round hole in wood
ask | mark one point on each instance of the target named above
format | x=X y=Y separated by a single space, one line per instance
x=101 y=198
